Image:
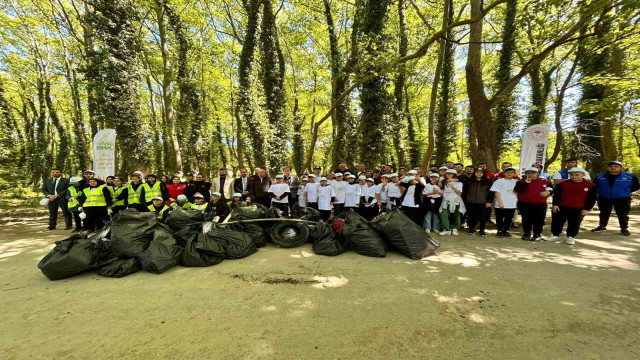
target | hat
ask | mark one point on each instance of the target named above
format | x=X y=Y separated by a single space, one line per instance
x=181 y=197
x=351 y=176
x=412 y=172
x=402 y=168
x=443 y=168
x=312 y=175
x=216 y=194
x=577 y=169
x=323 y=179
x=188 y=174
x=279 y=176
x=74 y=180
x=531 y=169
x=370 y=180
x=237 y=195
x=614 y=163
x=434 y=175
x=361 y=177
x=158 y=198
x=339 y=174
x=198 y=196
x=317 y=168
x=509 y=168
x=410 y=178
x=178 y=172
x=386 y=176
x=347 y=173
x=304 y=179
x=452 y=171
x=393 y=175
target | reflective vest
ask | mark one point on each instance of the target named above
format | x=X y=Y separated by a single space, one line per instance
x=74 y=193
x=621 y=186
x=95 y=197
x=195 y=206
x=116 y=193
x=134 y=195
x=151 y=191
x=187 y=205
x=110 y=187
x=159 y=213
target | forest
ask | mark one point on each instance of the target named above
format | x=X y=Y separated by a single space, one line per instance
x=197 y=84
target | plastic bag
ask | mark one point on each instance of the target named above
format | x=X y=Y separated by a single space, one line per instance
x=163 y=252
x=69 y=257
x=120 y=268
x=305 y=213
x=255 y=231
x=326 y=241
x=236 y=244
x=191 y=257
x=181 y=218
x=401 y=232
x=361 y=237
x=131 y=232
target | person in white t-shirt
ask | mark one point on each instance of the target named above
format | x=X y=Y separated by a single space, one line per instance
x=369 y=206
x=326 y=197
x=382 y=192
x=394 y=191
x=340 y=189
x=505 y=201
x=452 y=203
x=352 y=194
x=311 y=192
x=331 y=179
x=279 y=193
x=411 y=199
x=302 y=199
x=433 y=199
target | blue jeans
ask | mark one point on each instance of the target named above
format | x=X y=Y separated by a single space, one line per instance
x=431 y=221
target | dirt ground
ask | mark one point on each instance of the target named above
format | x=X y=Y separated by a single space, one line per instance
x=479 y=298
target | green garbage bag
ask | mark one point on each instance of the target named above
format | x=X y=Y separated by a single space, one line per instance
x=120 y=268
x=131 y=233
x=163 y=252
x=325 y=240
x=69 y=257
x=361 y=237
x=407 y=237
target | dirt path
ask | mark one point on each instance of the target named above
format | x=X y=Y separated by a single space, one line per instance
x=478 y=299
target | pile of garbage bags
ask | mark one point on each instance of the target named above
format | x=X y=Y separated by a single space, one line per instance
x=136 y=241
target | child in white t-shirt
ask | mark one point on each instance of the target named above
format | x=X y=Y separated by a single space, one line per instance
x=505 y=201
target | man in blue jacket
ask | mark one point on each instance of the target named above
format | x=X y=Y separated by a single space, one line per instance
x=614 y=191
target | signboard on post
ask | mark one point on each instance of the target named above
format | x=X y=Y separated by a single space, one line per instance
x=534 y=146
x=104 y=153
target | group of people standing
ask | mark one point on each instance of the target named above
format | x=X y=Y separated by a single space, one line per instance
x=440 y=200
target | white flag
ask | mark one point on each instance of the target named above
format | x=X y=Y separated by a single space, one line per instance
x=104 y=153
x=534 y=146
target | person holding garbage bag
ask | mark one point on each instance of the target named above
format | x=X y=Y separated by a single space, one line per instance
x=159 y=208
x=95 y=201
x=72 y=201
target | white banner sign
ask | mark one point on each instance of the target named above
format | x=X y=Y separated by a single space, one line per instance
x=104 y=153
x=534 y=146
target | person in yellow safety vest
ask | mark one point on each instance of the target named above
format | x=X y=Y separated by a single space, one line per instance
x=134 y=192
x=181 y=201
x=109 y=181
x=200 y=204
x=72 y=197
x=159 y=208
x=120 y=193
x=95 y=201
x=153 y=188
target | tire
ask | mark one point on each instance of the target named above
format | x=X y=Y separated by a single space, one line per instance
x=289 y=235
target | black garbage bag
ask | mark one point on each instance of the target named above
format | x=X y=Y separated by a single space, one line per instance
x=69 y=257
x=131 y=233
x=305 y=213
x=289 y=234
x=186 y=233
x=361 y=237
x=209 y=244
x=163 y=252
x=255 y=231
x=401 y=232
x=236 y=244
x=191 y=257
x=181 y=218
x=120 y=268
x=325 y=240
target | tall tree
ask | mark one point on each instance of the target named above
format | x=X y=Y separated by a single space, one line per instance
x=504 y=112
x=399 y=116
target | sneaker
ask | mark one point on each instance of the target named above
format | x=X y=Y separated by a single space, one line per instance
x=506 y=234
x=526 y=237
x=427 y=231
x=471 y=232
x=454 y=232
x=49 y=229
x=569 y=241
x=537 y=238
x=551 y=238
x=625 y=232
x=444 y=232
x=599 y=229
x=482 y=233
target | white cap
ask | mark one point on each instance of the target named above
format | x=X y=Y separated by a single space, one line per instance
x=75 y=180
x=339 y=174
x=304 y=178
x=393 y=175
x=452 y=171
x=237 y=195
x=323 y=179
x=181 y=197
x=362 y=177
x=531 y=169
x=198 y=196
x=158 y=198
x=386 y=176
x=351 y=176
x=443 y=168
x=312 y=175
x=410 y=178
x=279 y=176
x=434 y=175
x=91 y=171
x=370 y=179
x=412 y=172
x=216 y=194
x=577 y=169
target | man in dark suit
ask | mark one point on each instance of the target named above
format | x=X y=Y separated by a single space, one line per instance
x=259 y=188
x=241 y=185
x=55 y=188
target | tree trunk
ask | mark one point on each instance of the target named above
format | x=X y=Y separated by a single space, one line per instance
x=63 y=138
x=612 y=107
x=399 y=116
x=157 y=144
x=504 y=112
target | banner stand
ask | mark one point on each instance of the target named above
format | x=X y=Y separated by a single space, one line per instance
x=104 y=153
x=533 y=150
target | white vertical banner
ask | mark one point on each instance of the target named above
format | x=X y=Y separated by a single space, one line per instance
x=104 y=153
x=534 y=146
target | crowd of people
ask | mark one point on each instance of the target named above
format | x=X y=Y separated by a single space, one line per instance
x=440 y=199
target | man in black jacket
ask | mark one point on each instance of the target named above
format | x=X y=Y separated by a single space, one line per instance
x=241 y=185
x=199 y=186
x=259 y=188
x=55 y=189
x=477 y=196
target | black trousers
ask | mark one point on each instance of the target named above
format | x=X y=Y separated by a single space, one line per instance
x=572 y=216
x=476 y=215
x=325 y=215
x=533 y=216
x=282 y=207
x=369 y=212
x=96 y=216
x=338 y=208
x=53 y=206
x=77 y=220
x=413 y=214
x=139 y=207
x=622 y=206
x=116 y=209
x=313 y=205
x=262 y=200
x=504 y=217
